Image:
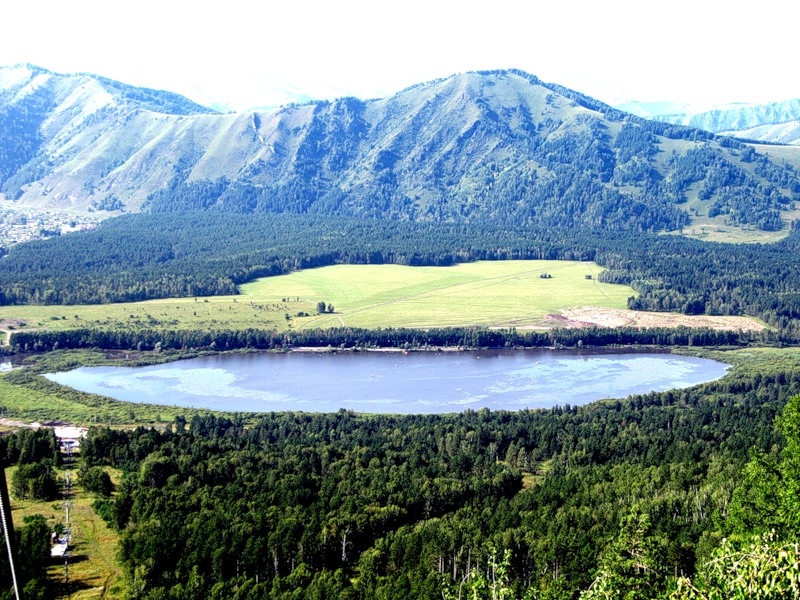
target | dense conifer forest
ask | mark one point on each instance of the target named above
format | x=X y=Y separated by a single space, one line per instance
x=551 y=503
x=650 y=496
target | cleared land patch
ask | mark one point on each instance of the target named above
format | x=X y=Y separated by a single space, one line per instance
x=588 y=316
x=93 y=570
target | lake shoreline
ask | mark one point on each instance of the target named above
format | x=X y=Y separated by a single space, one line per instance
x=394 y=381
x=40 y=361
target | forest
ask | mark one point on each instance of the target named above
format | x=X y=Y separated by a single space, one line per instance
x=646 y=497
x=652 y=496
x=195 y=254
x=349 y=338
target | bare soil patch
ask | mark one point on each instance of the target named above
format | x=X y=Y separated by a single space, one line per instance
x=596 y=316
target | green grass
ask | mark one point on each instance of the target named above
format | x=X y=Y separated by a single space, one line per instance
x=27 y=396
x=93 y=570
x=715 y=230
x=494 y=294
x=752 y=361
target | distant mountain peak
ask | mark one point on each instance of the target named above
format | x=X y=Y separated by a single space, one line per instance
x=774 y=122
x=16 y=77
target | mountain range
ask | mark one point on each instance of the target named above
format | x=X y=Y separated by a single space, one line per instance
x=774 y=122
x=500 y=145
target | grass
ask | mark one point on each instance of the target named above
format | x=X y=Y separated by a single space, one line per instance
x=752 y=361
x=715 y=230
x=494 y=294
x=27 y=396
x=93 y=572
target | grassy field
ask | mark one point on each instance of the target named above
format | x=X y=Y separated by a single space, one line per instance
x=496 y=294
x=26 y=396
x=93 y=572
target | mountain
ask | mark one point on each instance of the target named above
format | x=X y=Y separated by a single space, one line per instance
x=653 y=109
x=498 y=145
x=776 y=122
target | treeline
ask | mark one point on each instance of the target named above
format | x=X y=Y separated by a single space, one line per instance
x=348 y=338
x=347 y=506
x=36 y=454
x=139 y=257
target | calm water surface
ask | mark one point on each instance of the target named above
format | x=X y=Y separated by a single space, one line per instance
x=390 y=382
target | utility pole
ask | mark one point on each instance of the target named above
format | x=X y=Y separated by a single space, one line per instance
x=8 y=530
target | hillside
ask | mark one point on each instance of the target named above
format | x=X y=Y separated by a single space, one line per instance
x=501 y=145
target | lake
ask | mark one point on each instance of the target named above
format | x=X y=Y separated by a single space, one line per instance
x=392 y=382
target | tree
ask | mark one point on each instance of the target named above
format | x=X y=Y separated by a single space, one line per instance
x=493 y=583
x=97 y=481
x=769 y=497
x=628 y=567
x=35 y=481
x=34 y=554
x=762 y=558
x=760 y=568
x=320 y=307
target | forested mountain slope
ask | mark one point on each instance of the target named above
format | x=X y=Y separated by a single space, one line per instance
x=501 y=145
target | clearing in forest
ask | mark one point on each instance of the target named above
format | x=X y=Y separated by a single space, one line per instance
x=487 y=293
x=523 y=294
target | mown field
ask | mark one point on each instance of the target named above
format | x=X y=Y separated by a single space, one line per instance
x=494 y=294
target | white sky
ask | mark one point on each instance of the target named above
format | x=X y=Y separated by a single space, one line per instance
x=249 y=53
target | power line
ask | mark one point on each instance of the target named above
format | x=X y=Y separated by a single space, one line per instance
x=8 y=530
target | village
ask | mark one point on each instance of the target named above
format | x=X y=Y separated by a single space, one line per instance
x=22 y=223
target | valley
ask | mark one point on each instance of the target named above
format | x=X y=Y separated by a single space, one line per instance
x=487 y=211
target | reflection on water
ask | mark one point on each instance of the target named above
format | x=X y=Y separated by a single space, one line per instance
x=391 y=382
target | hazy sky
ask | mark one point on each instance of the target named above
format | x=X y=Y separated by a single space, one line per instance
x=250 y=53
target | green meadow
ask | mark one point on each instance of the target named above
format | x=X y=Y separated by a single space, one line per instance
x=496 y=294
x=490 y=293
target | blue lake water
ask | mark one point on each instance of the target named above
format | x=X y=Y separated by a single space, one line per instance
x=391 y=382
